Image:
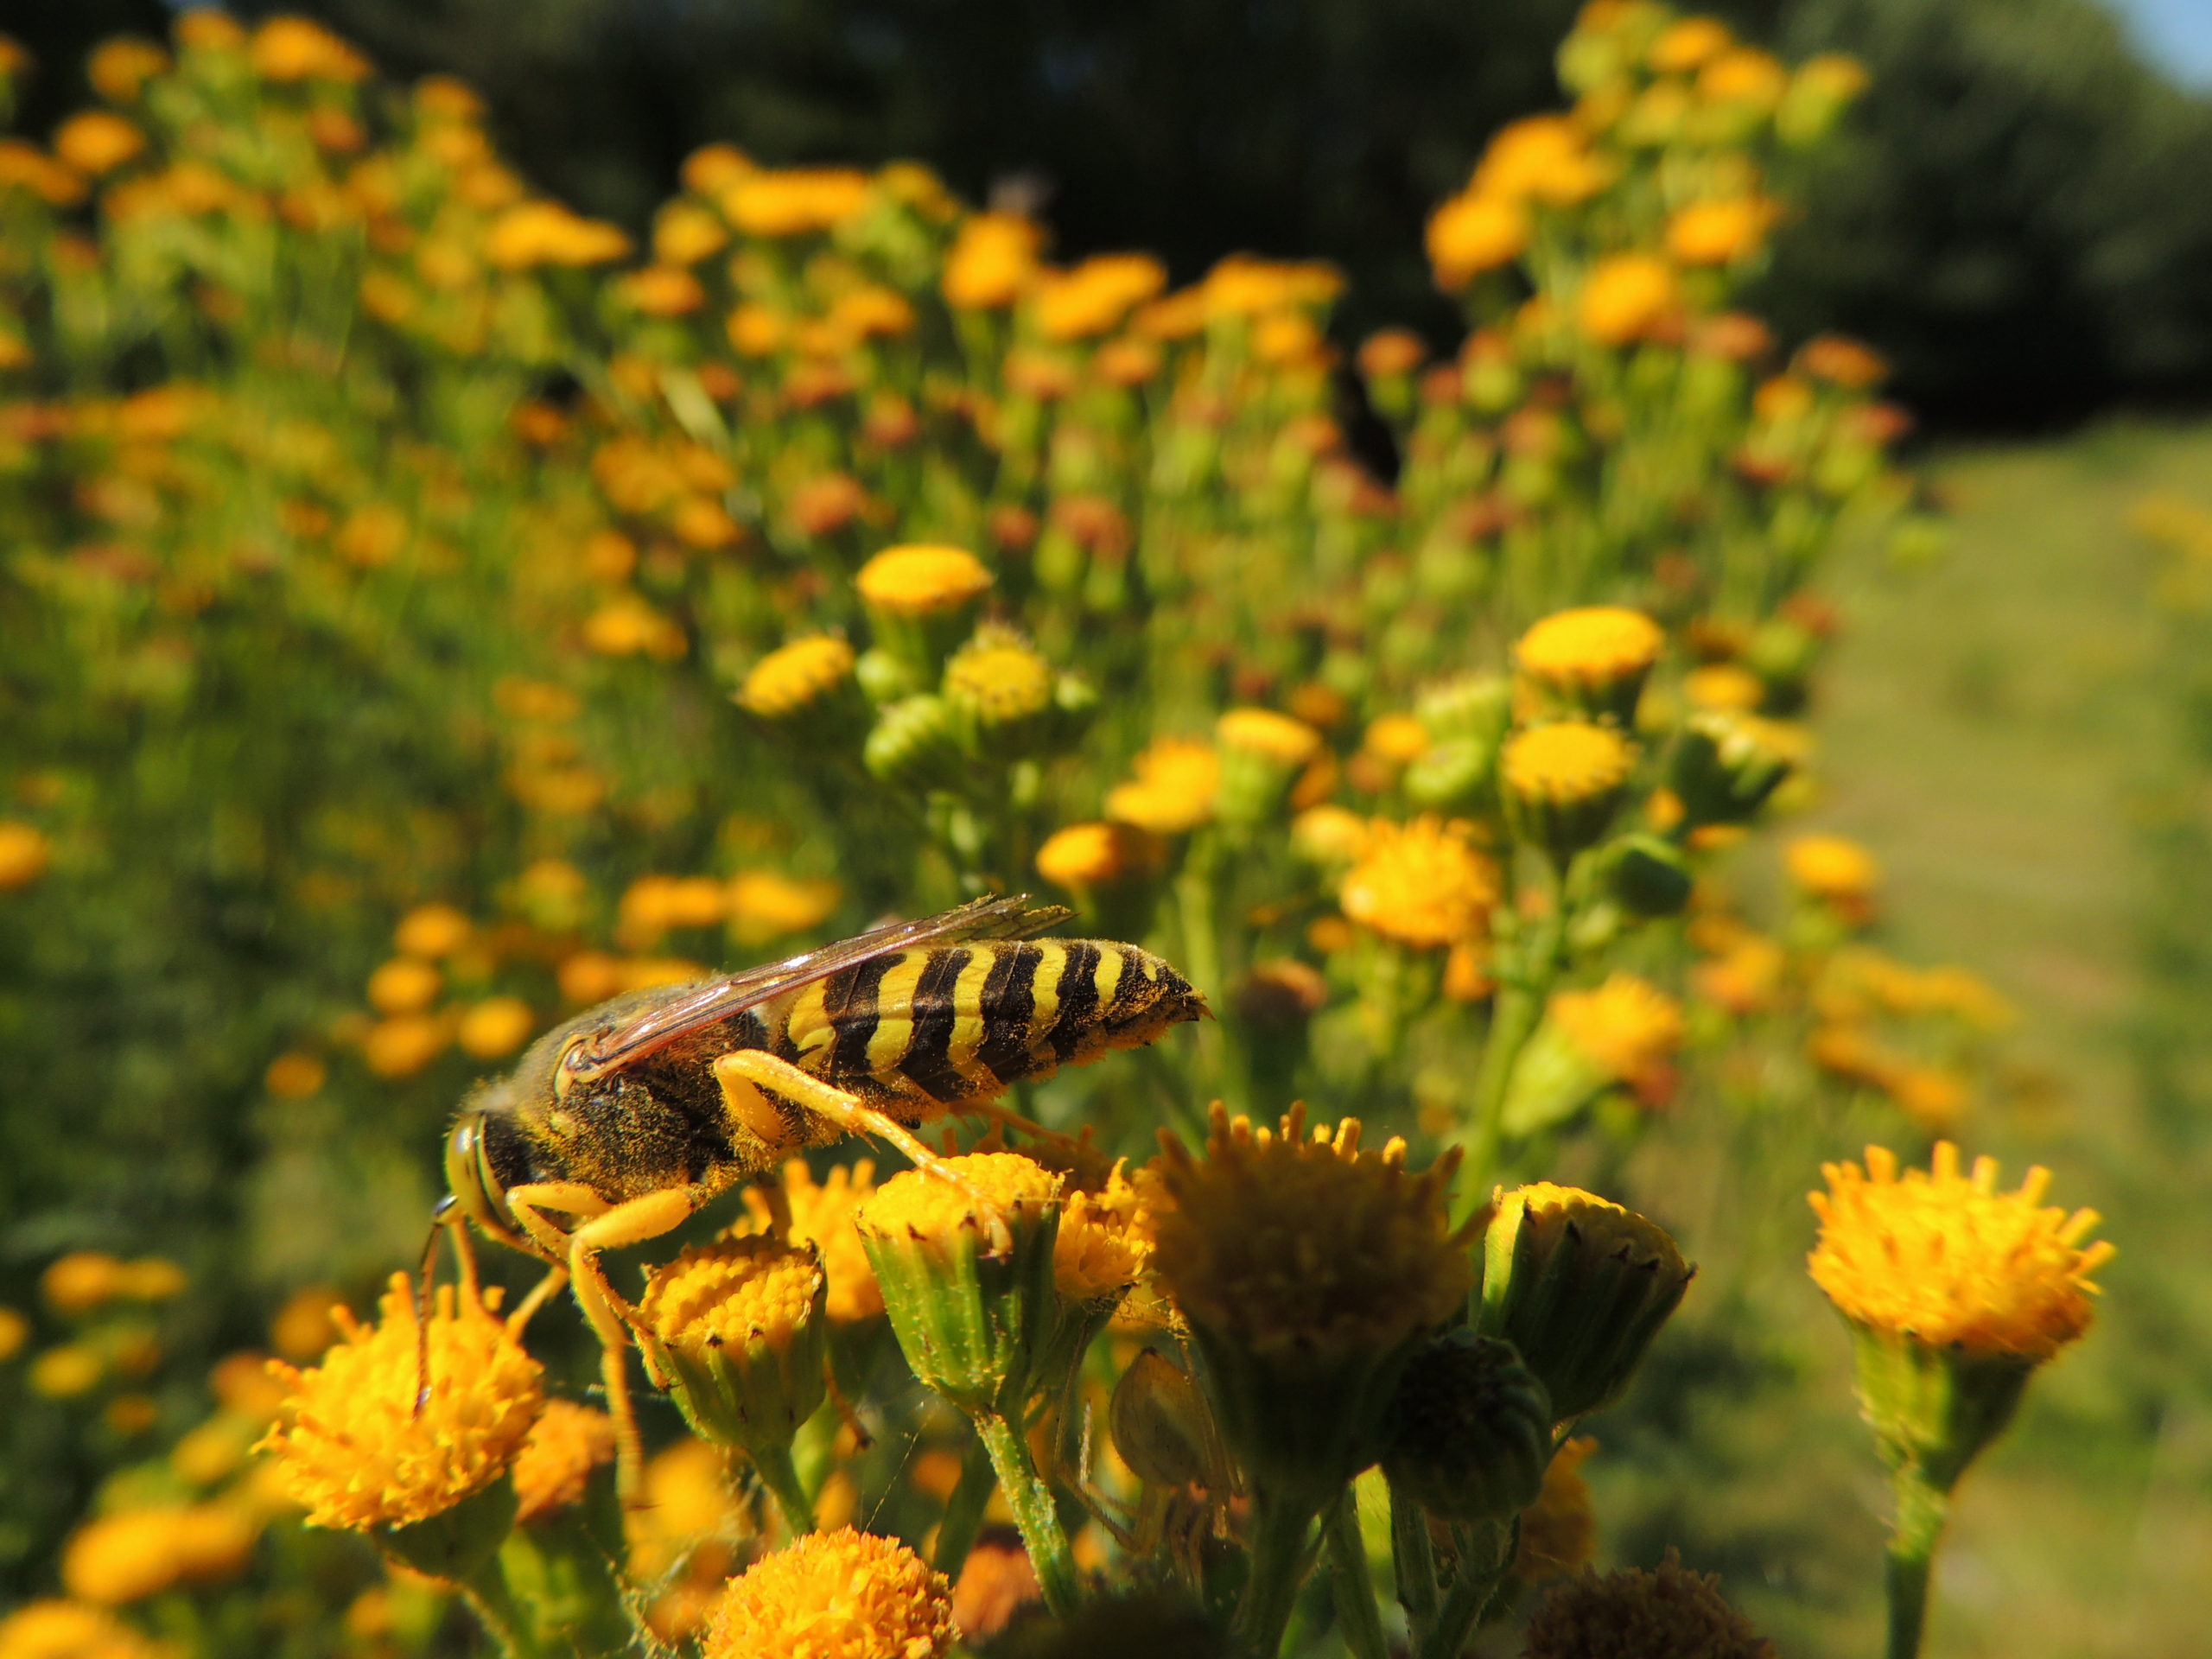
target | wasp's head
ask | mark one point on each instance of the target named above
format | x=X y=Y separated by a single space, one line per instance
x=472 y=1178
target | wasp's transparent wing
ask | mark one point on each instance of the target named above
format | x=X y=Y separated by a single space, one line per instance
x=1007 y=917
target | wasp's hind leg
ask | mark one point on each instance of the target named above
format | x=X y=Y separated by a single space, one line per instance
x=745 y=1072
x=605 y=1227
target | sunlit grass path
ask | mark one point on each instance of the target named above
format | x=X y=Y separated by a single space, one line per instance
x=1989 y=725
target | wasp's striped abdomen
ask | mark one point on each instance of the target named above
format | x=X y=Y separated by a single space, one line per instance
x=963 y=1022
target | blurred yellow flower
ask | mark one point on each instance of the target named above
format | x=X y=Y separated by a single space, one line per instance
x=1724 y=685
x=1686 y=44
x=81 y=1282
x=821 y=1215
x=1567 y=761
x=292 y=49
x=494 y=1028
x=1173 y=789
x=96 y=142
x=1276 y=737
x=119 y=68
x=1720 y=232
x=1471 y=234
x=794 y=201
x=835 y=1595
x=1744 y=75
x=765 y=904
x=795 y=675
x=1590 y=649
x=1559 y=1531
x=1084 y=855
x=547 y=233
x=354 y=1449
x=1627 y=296
x=1949 y=1260
x=404 y=985
x=15 y=1332
x=1542 y=157
x=921 y=580
x=140 y=1553
x=992 y=259
x=1422 y=884
x=1627 y=1024
x=565 y=1445
x=67 y=1372
x=1095 y=295
x=1829 y=867
x=70 y=1630
x=684 y=234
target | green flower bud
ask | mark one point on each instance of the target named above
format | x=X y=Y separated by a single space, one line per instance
x=1000 y=690
x=1580 y=1286
x=1648 y=875
x=456 y=1543
x=1451 y=771
x=1562 y=783
x=1725 y=765
x=915 y=744
x=735 y=1331
x=1470 y=1430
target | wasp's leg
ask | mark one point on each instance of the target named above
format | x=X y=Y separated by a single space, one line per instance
x=746 y=1071
x=991 y=1112
x=605 y=1227
x=540 y=1294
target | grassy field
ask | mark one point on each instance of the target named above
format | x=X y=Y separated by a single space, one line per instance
x=1993 y=727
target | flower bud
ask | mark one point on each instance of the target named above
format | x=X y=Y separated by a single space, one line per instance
x=915 y=744
x=1647 y=875
x=1592 y=660
x=1000 y=690
x=1262 y=753
x=1580 y=1286
x=972 y=1311
x=1725 y=765
x=1470 y=1430
x=734 y=1331
x=1563 y=783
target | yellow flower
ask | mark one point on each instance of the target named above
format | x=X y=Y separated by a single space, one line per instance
x=922 y=580
x=69 y=1630
x=1667 y=1612
x=748 y=1288
x=1745 y=76
x=795 y=201
x=1627 y=1024
x=1830 y=867
x=1278 y=737
x=821 y=1215
x=497 y=1026
x=292 y=49
x=1627 y=296
x=1472 y=233
x=996 y=1583
x=82 y=1280
x=547 y=233
x=1687 y=43
x=96 y=142
x=1543 y=157
x=918 y=1206
x=1950 y=1261
x=764 y=904
x=1596 y=656
x=1104 y=1247
x=66 y=1372
x=1728 y=686
x=628 y=626
x=1841 y=361
x=15 y=1332
x=684 y=234
x=1290 y=1244
x=404 y=985
x=1174 y=791
x=1330 y=834
x=1096 y=294
x=119 y=68
x=1421 y=884
x=1567 y=762
x=1559 y=1531
x=796 y=675
x=1084 y=855
x=432 y=931
x=835 y=1595
x=1719 y=233
x=128 y=1557
x=353 y=1449
x=990 y=262
x=999 y=678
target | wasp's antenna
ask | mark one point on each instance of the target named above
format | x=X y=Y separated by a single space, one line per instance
x=440 y=1220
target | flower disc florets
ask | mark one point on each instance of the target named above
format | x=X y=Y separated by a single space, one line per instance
x=735 y=1330
x=1594 y=657
x=555 y=1464
x=1562 y=782
x=1291 y=1244
x=1668 y=1614
x=796 y=675
x=1950 y=1261
x=355 y=1451
x=835 y=1595
x=920 y=580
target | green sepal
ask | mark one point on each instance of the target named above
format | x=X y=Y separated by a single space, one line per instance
x=972 y=1323
x=1933 y=1410
x=456 y=1543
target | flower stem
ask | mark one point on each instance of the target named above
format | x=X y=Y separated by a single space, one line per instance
x=964 y=1511
x=1034 y=1512
x=1278 y=1565
x=1357 y=1615
x=1415 y=1561
x=1519 y=1006
x=1485 y=1551
x=492 y=1601
x=781 y=1476
x=1921 y=1512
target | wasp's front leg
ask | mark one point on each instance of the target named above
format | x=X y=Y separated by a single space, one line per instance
x=605 y=1227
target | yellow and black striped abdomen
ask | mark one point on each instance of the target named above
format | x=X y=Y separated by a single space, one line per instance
x=963 y=1022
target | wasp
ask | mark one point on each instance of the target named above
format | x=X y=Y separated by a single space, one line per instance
x=615 y=1128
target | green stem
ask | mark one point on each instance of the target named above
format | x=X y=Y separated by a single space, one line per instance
x=1485 y=1551
x=1520 y=1006
x=492 y=1601
x=1416 y=1561
x=1194 y=900
x=964 y=1511
x=1034 y=1512
x=1921 y=1512
x=1357 y=1616
x=780 y=1475
x=1278 y=1565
